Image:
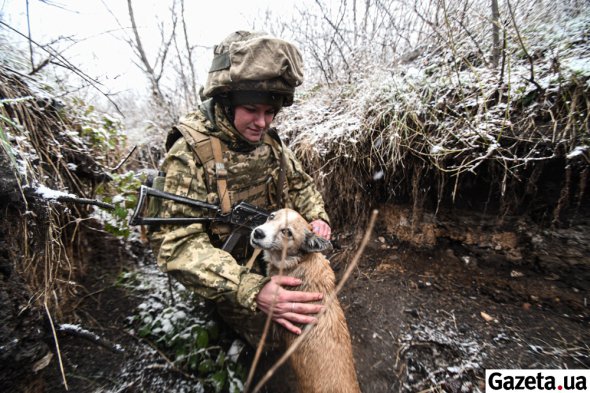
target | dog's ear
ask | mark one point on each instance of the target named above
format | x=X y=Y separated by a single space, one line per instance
x=314 y=243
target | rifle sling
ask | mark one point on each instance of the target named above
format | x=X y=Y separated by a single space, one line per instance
x=282 y=178
x=272 y=138
x=221 y=175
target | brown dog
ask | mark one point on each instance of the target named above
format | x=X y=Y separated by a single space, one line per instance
x=323 y=362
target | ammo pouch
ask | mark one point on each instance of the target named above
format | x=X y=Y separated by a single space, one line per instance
x=155 y=204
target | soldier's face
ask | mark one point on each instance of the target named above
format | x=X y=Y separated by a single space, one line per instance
x=253 y=120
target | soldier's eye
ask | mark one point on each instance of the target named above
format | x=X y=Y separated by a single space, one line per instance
x=287 y=232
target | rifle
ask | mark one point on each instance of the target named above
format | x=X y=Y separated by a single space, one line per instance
x=244 y=216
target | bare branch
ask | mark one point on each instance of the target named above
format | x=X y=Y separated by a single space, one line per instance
x=522 y=45
x=141 y=52
x=189 y=52
x=30 y=38
x=495 y=33
x=68 y=65
x=166 y=45
x=41 y=65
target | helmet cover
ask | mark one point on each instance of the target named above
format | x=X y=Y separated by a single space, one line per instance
x=255 y=62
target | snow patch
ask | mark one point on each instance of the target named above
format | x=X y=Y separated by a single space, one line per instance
x=578 y=150
x=52 y=195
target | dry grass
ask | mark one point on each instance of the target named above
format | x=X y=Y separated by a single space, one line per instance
x=42 y=146
x=447 y=125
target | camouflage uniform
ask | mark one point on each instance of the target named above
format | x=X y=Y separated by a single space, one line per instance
x=190 y=253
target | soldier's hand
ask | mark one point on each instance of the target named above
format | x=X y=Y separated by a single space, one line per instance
x=321 y=228
x=290 y=307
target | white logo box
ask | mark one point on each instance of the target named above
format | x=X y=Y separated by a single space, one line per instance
x=538 y=381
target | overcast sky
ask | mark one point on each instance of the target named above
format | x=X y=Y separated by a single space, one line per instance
x=96 y=27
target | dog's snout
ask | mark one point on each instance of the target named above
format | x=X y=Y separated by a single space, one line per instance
x=258 y=234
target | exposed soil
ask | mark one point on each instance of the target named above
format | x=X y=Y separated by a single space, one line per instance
x=417 y=320
x=416 y=317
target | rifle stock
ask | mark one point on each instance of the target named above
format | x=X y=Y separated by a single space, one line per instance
x=144 y=192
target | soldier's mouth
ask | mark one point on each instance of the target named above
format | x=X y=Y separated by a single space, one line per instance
x=256 y=130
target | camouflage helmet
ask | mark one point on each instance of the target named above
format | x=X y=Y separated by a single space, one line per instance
x=255 y=62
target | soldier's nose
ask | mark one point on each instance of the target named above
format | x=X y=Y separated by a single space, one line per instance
x=258 y=234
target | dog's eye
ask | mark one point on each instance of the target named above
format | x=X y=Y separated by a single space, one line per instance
x=287 y=232
x=271 y=216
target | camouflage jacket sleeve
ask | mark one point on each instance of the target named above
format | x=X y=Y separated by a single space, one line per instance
x=186 y=252
x=303 y=195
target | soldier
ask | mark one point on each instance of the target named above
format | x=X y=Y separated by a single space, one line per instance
x=224 y=153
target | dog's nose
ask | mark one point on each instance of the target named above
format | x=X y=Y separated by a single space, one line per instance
x=258 y=234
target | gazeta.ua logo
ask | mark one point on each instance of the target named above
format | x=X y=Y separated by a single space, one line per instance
x=540 y=381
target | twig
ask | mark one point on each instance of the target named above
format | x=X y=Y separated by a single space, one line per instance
x=266 y=323
x=495 y=33
x=68 y=66
x=328 y=303
x=61 y=365
x=529 y=57
x=29 y=33
x=502 y=66
x=83 y=333
x=452 y=315
x=191 y=62
x=85 y=201
x=74 y=199
x=40 y=66
x=124 y=159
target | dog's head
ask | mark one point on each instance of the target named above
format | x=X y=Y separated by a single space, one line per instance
x=285 y=228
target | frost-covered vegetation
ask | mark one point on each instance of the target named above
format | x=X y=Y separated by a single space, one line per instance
x=180 y=323
x=63 y=146
x=428 y=128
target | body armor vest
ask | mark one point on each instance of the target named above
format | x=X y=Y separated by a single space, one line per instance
x=252 y=176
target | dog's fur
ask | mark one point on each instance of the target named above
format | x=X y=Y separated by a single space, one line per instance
x=323 y=362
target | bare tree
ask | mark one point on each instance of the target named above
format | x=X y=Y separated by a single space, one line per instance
x=346 y=39
x=56 y=58
x=496 y=48
x=155 y=71
x=191 y=83
x=171 y=71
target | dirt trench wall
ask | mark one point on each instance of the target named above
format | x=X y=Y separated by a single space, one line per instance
x=23 y=340
x=511 y=242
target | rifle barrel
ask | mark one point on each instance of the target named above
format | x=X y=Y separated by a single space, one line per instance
x=172 y=220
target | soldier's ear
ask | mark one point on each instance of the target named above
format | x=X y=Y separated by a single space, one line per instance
x=315 y=243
